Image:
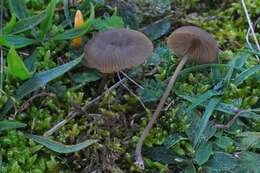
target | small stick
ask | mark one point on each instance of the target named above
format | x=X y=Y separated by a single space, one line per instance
x=73 y=114
x=138 y=151
x=27 y=103
x=231 y=122
x=131 y=92
x=250 y=25
x=132 y=80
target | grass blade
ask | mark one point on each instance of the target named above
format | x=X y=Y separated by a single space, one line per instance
x=18 y=8
x=9 y=26
x=58 y=147
x=229 y=74
x=47 y=22
x=15 y=41
x=28 y=23
x=202 y=98
x=245 y=74
x=203 y=153
x=205 y=118
x=77 y=32
x=16 y=66
x=39 y=80
x=5 y=125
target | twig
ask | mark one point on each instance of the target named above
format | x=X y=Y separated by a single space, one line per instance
x=132 y=80
x=27 y=103
x=231 y=122
x=131 y=92
x=74 y=113
x=250 y=25
x=57 y=126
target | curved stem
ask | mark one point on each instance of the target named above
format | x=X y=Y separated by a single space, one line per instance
x=138 y=152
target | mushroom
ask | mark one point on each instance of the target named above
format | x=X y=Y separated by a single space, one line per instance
x=115 y=50
x=192 y=44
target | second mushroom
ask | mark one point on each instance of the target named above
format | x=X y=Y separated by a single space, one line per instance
x=191 y=44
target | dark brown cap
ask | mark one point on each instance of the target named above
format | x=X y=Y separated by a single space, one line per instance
x=117 y=49
x=194 y=42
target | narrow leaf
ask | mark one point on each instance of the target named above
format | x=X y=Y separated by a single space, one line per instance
x=15 y=41
x=245 y=74
x=28 y=23
x=157 y=29
x=31 y=61
x=205 y=118
x=77 y=32
x=202 y=98
x=203 y=153
x=163 y=155
x=5 y=125
x=223 y=107
x=18 y=8
x=39 y=80
x=229 y=74
x=9 y=26
x=221 y=162
x=240 y=62
x=16 y=66
x=173 y=139
x=47 y=22
x=66 y=12
x=58 y=147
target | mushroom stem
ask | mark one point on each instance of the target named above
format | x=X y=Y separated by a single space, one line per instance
x=104 y=80
x=138 y=152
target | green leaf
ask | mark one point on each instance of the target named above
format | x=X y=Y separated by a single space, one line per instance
x=240 y=62
x=153 y=90
x=28 y=23
x=9 y=26
x=203 y=66
x=58 y=147
x=162 y=155
x=202 y=98
x=18 y=8
x=47 y=22
x=229 y=74
x=1 y=163
x=31 y=61
x=224 y=142
x=223 y=107
x=248 y=162
x=173 y=139
x=39 y=80
x=85 y=77
x=221 y=162
x=205 y=118
x=77 y=32
x=250 y=139
x=203 y=153
x=108 y=23
x=192 y=131
x=157 y=29
x=5 y=125
x=66 y=12
x=15 y=41
x=245 y=74
x=190 y=168
x=16 y=66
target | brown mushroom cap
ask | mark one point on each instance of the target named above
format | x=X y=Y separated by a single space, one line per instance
x=196 y=43
x=117 y=49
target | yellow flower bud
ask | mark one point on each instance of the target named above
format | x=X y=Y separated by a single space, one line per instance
x=78 y=21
